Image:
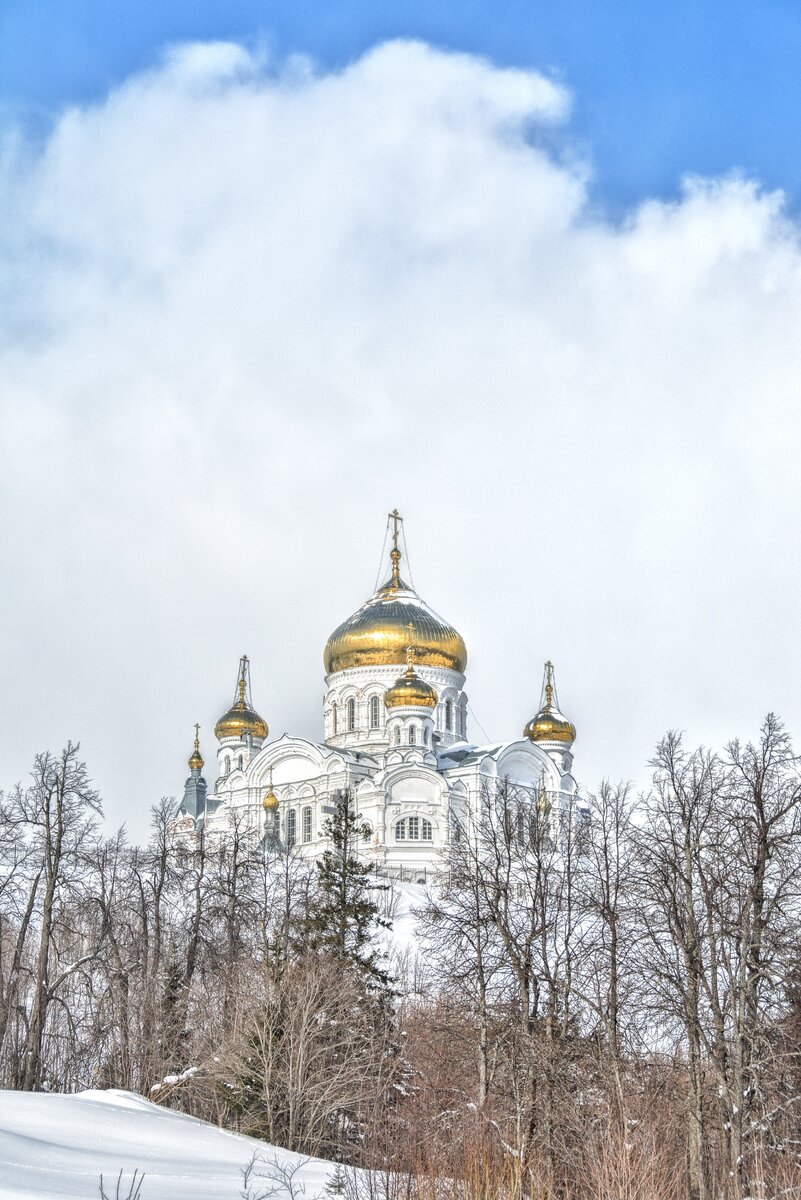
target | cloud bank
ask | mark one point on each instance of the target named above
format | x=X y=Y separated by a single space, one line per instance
x=248 y=308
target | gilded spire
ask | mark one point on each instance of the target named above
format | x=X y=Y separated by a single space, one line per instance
x=395 y=553
x=196 y=759
x=411 y=653
x=243 y=678
x=548 y=684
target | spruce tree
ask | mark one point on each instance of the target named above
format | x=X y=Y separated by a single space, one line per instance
x=344 y=918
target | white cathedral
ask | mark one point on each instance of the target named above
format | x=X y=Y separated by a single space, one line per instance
x=394 y=734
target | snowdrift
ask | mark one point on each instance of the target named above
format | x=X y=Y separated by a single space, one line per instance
x=54 y=1146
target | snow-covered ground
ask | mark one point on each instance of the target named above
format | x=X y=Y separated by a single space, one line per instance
x=54 y=1146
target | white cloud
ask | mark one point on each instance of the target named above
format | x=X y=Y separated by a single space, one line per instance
x=249 y=308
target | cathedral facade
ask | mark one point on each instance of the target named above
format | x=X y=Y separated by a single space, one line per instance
x=395 y=734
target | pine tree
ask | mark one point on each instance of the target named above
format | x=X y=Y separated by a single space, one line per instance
x=344 y=919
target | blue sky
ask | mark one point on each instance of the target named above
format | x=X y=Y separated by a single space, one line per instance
x=246 y=309
x=660 y=90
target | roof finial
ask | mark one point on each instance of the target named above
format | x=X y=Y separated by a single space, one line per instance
x=395 y=553
x=196 y=759
x=548 y=684
x=411 y=653
x=243 y=678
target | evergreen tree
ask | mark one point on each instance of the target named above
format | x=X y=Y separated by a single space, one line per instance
x=344 y=918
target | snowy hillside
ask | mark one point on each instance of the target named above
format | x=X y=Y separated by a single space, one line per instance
x=55 y=1146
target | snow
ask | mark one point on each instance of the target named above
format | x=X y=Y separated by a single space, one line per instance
x=55 y=1146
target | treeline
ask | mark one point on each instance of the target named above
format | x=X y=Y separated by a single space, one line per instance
x=606 y=1001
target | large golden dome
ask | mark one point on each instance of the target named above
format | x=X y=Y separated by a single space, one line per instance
x=390 y=621
x=241 y=718
x=549 y=724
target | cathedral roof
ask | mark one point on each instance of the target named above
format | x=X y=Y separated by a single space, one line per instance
x=394 y=618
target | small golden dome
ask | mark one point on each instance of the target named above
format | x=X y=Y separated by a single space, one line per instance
x=410 y=691
x=196 y=759
x=378 y=634
x=270 y=802
x=241 y=718
x=549 y=724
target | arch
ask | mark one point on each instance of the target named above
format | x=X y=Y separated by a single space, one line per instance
x=351 y=710
x=375 y=712
x=449 y=716
x=227 y=765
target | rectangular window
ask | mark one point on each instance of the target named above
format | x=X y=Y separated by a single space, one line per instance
x=307 y=824
x=414 y=828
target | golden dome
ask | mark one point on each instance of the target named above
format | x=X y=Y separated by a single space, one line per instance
x=270 y=802
x=196 y=759
x=379 y=633
x=241 y=718
x=410 y=691
x=549 y=724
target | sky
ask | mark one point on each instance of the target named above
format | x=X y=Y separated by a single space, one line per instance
x=529 y=272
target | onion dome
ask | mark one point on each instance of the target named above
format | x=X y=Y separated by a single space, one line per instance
x=549 y=724
x=270 y=802
x=378 y=634
x=410 y=691
x=196 y=759
x=241 y=719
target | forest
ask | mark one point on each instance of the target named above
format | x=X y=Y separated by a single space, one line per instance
x=601 y=1002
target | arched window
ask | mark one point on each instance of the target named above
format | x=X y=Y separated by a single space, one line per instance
x=413 y=829
x=351 y=715
x=374 y=712
x=306 y=824
x=412 y=735
x=449 y=715
x=334 y=717
x=227 y=765
x=397 y=735
x=239 y=762
x=425 y=735
x=291 y=827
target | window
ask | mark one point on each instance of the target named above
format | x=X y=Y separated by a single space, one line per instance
x=425 y=736
x=227 y=765
x=397 y=735
x=239 y=762
x=334 y=716
x=449 y=715
x=412 y=735
x=374 y=712
x=306 y=824
x=413 y=829
x=351 y=715
x=291 y=827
